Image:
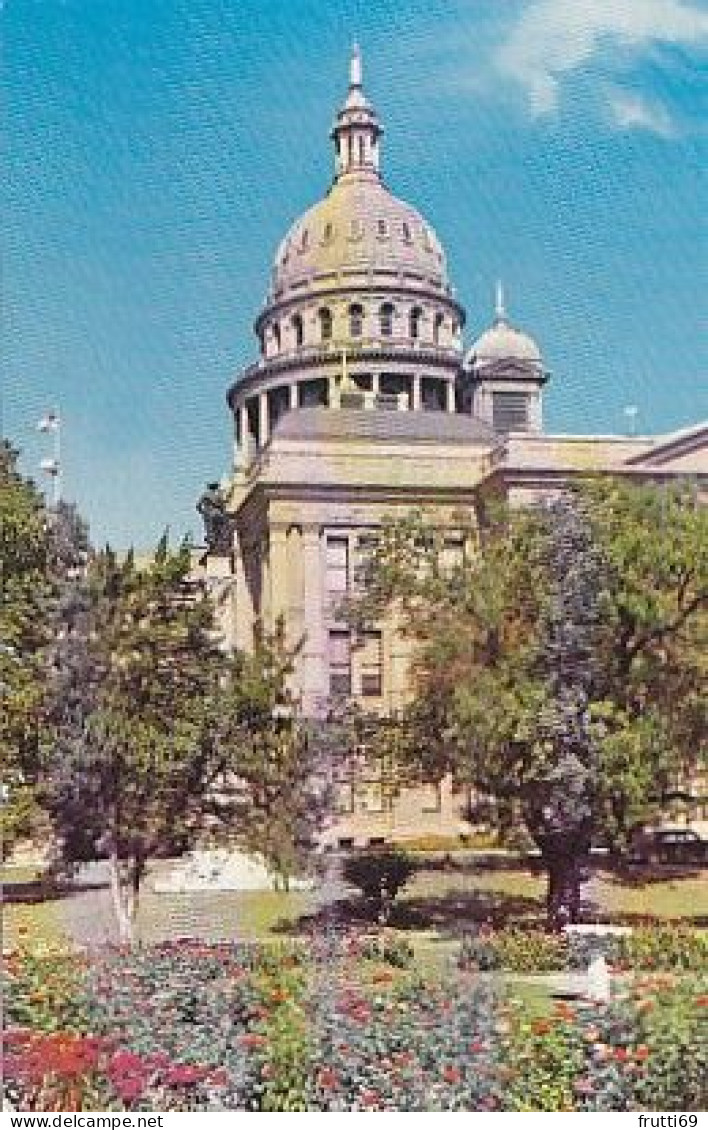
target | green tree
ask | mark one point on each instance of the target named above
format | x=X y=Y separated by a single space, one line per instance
x=560 y=665
x=37 y=550
x=156 y=738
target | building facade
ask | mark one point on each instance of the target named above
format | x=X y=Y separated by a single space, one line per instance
x=362 y=404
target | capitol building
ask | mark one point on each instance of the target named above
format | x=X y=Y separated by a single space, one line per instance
x=369 y=397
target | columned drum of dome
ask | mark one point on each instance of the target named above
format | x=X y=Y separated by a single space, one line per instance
x=361 y=273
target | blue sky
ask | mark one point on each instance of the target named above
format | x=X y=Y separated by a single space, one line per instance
x=155 y=152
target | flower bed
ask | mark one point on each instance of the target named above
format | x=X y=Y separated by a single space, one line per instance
x=337 y=1025
x=535 y=951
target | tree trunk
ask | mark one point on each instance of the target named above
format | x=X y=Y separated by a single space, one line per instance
x=563 y=894
x=125 y=897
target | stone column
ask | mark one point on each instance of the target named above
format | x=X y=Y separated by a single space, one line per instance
x=243 y=437
x=417 y=397
x=244 y=603
x=375 y=383
x=314 y=677
x=450 y=394
x=279 y=603
x=263 y=419
x=293 y=396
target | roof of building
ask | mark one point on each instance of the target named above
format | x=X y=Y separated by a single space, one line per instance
x=398 y=427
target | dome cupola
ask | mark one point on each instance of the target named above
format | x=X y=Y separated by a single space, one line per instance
x=504 y=375
x=502 y=341
x=360 y=308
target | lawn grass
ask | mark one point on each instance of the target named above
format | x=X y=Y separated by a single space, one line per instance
x=445 y=892
x=448 y=898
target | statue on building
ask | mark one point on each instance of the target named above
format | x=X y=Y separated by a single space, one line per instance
x=217 y=523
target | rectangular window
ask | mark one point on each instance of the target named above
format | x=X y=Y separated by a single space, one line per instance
x=370 y=665
x=340 y=664
x=510 y=411
x=337 y=566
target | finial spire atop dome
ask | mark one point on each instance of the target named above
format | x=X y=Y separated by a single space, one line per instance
x=355 y=66
x=357 y=130
x=500 y=305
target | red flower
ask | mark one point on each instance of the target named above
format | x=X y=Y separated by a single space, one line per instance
x=326 y=1077
x=642 y=1052
x=184 y=1075
x=621 y=1055
x=252 y=1040
x=370 y=1098
x=702 y=1001
x=477 y=1046
x=130 y=1087
x=219 y=1078
x=452 y=1074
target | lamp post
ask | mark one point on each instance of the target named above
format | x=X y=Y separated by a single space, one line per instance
x=50 y=424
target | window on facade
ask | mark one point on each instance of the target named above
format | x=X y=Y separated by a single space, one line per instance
x=298 y=330
x=337 y=566
x=382 y=229
x=510 y=411
x=356 y=320
x=437 y=327
x=361 y=150
x=325 y=318
x=370 y=665
x=340 y=664
x=276 y=336
x=415 y=317
x=386 y=319
x=327 y=233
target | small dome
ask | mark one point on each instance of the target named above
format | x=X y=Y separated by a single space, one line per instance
x=503 y=342
x=359 y=228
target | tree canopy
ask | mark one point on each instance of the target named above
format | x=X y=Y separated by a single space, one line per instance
x=559 y=663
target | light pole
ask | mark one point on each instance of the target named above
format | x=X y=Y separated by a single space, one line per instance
x=51 y=424
x=631 y=412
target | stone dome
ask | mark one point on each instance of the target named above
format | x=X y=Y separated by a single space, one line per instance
x=360 y=233
x=359 y=227
x=503 y=342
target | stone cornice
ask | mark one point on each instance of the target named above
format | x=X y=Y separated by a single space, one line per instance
x=315 y=357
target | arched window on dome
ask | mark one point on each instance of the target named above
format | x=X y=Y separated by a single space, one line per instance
x=386 y=314
x=362 y=152
x=356 y=320
x=324 y=315
x=298 y=330
x=407 y=232
x=414 y=322
x=305 y=240
x=382 y=229
x=275 y=333
x=437 y=328
x=327 y=233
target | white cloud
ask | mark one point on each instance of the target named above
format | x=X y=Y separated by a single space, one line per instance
x=555 y=37
x=631 y=111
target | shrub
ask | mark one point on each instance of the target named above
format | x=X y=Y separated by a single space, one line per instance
x=379 y=875
x=515 y=950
